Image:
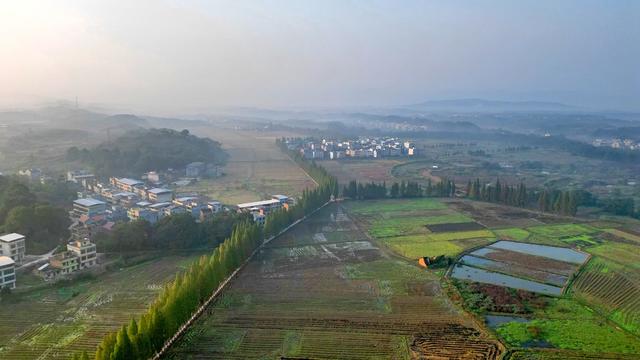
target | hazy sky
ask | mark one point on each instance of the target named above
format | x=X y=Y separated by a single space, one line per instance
x=184 y=56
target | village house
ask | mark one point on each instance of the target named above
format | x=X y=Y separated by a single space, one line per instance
x=89 y=207
x=195 y=169
x=153 y=177
x=64 y=263
x=33 y=175
x=85 y=251
x=143 y=214
x=7 y=272
x=13 y=246
x=160 y=195
x=82 y=177
x=215 y=206
x=126 y=184
x=265 y=205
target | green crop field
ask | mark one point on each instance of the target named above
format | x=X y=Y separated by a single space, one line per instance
x=626 y=254
x=512 y=234
x=566 y=324
x=562 y=230
x=398 y=226
x=461 y=235
x=414 y=247
x=389 y=206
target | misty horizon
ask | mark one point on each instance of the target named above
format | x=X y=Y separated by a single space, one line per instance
x=184 y=57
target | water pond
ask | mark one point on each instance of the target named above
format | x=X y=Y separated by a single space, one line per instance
x=469 y=273
x=551 y=252
x=493 y=321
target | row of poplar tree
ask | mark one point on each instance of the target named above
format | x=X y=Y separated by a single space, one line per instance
x=564 y=202
x=181 y=298
x=372 y=190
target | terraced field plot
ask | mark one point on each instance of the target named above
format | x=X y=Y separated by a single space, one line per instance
x=55 y=322
x=306 y=296
x=612 y=289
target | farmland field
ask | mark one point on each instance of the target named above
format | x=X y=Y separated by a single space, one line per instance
x=307 y=297
x=54 y=322
x=377 y=170
x=256 y=169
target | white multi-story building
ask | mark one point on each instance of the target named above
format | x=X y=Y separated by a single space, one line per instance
x=85 y=251
x=7 y=272
x=13 y=246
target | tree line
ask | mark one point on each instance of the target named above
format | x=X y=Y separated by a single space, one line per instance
x=32 y=215
x=563 y=202
x=179 y=231
x=181 y=298
x=365 y=191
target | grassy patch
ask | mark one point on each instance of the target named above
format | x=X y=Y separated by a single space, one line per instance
x=624 y=235
x=386 y=206
x=413 y=248
x=566 y=324
x=625 y=254
x=512 y=234
x=580 y=240
x=397 y=227
x=391 y=276
x=292 y=343
x=460 y=235
x=447 y=219
x=586 y=335
x=562 y=230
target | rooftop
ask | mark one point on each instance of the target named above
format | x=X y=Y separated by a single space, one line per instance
x=89 y=202
x=11 y=237
x=159 y=205
x=5 y=260
x=130 y=182
x=258 y=203
x=159 y=191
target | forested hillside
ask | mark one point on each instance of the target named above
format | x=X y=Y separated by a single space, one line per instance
x=148 y=149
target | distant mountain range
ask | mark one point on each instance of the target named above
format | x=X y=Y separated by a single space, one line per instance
x=489 y=105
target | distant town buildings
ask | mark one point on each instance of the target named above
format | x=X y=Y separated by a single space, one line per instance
x=7 y=272
x=331 y=149
x=13 y=246
x=616 y=143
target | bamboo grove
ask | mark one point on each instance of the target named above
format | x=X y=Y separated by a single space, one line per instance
x=177 y=302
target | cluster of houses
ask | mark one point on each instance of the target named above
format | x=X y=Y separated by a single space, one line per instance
x=100 y=205
x=331 y=149
x=626 y=144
